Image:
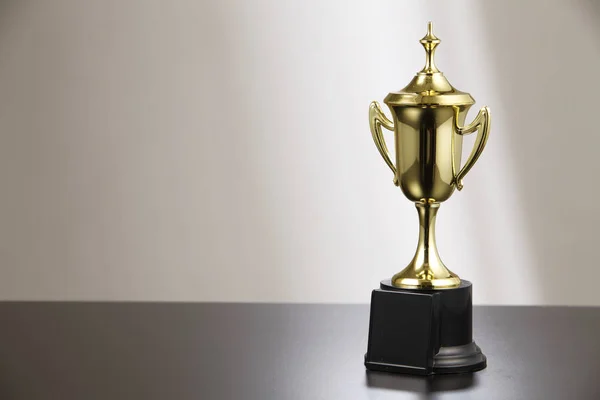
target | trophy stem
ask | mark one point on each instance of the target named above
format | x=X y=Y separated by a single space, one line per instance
x=426 y=270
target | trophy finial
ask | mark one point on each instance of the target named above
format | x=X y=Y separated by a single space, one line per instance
x=430 y=42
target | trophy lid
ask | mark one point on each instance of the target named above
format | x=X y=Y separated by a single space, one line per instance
x=429 y=86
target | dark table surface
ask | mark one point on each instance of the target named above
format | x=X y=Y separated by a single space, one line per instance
x=274 y=351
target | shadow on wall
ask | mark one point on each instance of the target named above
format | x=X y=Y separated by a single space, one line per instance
x=549 y=90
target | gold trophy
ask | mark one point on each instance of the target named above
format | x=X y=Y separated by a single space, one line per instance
x=428 y=121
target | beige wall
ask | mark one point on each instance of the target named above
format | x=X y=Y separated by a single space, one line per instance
x=207 y=150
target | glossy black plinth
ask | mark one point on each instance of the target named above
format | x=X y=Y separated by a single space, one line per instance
x=422 y=332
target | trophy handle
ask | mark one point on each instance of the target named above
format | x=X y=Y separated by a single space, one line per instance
x=377 y=119
x=481 y=124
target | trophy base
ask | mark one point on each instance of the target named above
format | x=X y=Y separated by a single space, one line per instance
x=422 y=332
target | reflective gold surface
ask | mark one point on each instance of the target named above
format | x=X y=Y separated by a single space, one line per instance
x=428 y=123
x=377 y=119
x=429 y=86
x=481 y=124
x=426 y=270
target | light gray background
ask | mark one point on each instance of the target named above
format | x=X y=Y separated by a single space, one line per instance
x=220 y=150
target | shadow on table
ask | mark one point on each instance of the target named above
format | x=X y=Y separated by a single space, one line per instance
x=420 y=384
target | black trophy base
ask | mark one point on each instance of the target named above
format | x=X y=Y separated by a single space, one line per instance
x=422 y=332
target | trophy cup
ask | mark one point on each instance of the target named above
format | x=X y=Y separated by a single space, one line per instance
x=421 y=318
